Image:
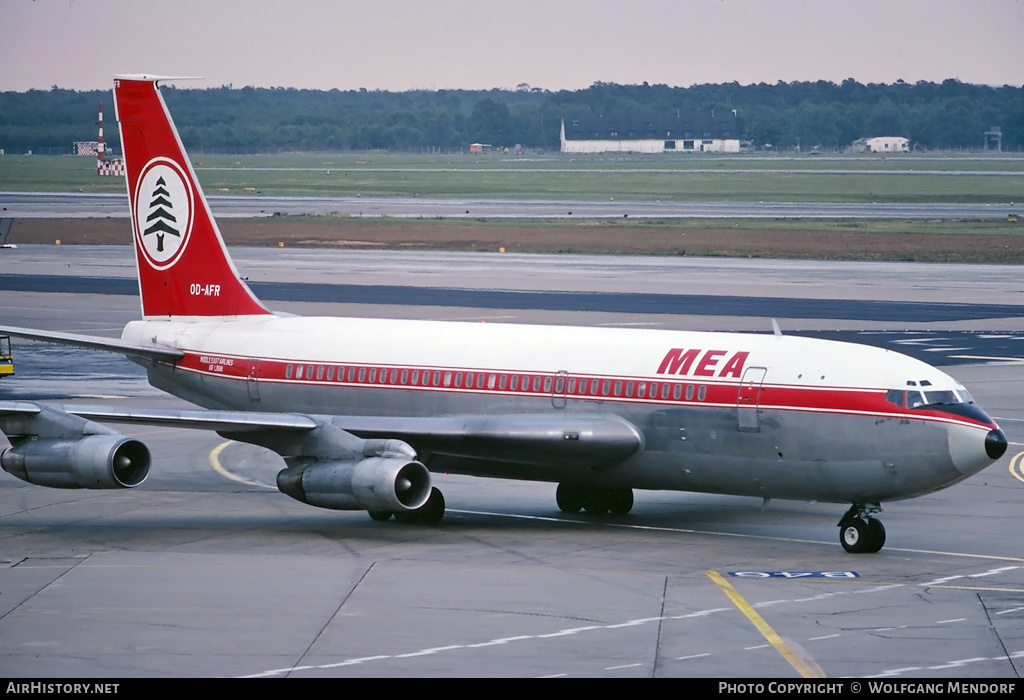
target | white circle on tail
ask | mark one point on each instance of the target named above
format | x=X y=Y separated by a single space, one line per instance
x=163 y=212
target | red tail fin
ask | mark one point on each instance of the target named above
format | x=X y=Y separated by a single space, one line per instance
x=184 y=268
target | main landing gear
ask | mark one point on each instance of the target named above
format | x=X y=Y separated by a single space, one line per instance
x=430 y=513
x=596 y=500
x=859 y=532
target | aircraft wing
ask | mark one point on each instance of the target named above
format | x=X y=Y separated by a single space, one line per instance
x=521 y=438
x=200 y=419
x=545 y=441
x=160 y=353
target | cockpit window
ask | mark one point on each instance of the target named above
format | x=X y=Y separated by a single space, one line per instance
x=941 y=397
x=919 y=399
x=916 y=398
x=895 y=396
x=923 y=393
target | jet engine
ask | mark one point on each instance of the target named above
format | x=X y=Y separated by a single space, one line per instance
x=381 y=483
x=111 y=461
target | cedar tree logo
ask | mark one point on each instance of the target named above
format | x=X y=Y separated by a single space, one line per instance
x=163 y=212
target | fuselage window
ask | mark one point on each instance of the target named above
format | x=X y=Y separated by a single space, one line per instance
x=536 y=383
x=437 y=377
x=560 y=385
x=394 y=376
x=373 y=375
x=458 y=380
x=547 y=385
x=491 y=379
x=298 y=372
x=362 y=375
x=572 y=386
x=606 y=386
x=288 y=372
x=689 y=392
x=702 y=392
x=677 y=391
x=480 y=380
x=405 y=376
x=594 y=384
x=351 y=374
x=664 y=391
x=330 y=374
x=415 y=377
x=514 y=384
x=618 y=388
x=319 y=372
x=309 y=371
x=629 y=389
x=503 y=382
x=447 y=378
x=641 y=390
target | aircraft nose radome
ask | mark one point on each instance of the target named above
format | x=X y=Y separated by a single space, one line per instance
x=995 y=443
x=972 y=450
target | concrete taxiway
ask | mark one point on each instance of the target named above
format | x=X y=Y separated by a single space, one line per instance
x=206 y=570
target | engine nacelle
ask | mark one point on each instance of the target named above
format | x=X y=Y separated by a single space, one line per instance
x=382 y=483
x=91 y=462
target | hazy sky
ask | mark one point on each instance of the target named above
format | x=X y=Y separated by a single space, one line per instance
x=553 y=44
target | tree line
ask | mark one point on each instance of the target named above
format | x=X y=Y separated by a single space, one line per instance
x=827 y=115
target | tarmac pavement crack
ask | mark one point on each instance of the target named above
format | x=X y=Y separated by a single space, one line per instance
x=657 y=636
x=316 y=637
x=47 y=586
x=999 y=638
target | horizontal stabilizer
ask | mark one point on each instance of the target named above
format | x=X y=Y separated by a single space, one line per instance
x=160 y=353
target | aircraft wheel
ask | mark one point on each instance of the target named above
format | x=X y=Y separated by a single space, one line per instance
x=381 y=516
x=877 y=535
x=857 y=537
x=569 y=498
x=596 y=500
x=431 y=512
x=620 y=501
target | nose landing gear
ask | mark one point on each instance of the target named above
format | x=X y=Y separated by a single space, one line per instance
x=859 y=532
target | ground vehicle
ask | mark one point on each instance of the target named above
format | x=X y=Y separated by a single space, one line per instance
x=6 y=359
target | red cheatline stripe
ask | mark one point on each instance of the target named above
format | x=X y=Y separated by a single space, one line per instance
x=658 y=391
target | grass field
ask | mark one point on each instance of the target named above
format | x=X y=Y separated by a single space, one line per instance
x=842 y=178
x=793 y=178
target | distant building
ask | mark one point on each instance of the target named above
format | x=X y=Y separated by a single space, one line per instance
x=650 y=132
x=994 y=139
x=881 y=144
x=86 y=148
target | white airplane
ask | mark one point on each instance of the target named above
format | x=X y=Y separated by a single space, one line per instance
x=362 y=410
